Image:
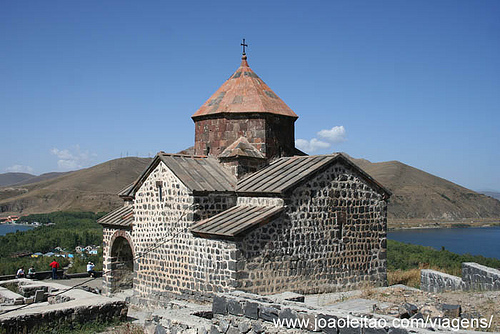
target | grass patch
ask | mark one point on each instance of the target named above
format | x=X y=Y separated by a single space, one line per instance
x=409 y=277
x=14 y=287
x=404 y=262
x=115 y=327
x=402 y=256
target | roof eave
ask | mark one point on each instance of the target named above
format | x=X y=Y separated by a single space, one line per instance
x=196 y=117
x=207 y=192
x=124 y=227
x=260 y=194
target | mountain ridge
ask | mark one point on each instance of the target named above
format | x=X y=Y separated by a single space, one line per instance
x=416 y=193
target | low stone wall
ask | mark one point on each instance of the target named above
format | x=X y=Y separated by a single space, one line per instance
x=436 y=281
x=27 y=323
x=479 y=277
x=40 y=275
x=474 y=277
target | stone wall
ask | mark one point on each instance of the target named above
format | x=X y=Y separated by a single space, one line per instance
x=331 y=237
x=435 y=281
x=474 y=277
x=261 y=201
x=50 y=320
x=479 y=277
x=242 y=166
x=273 y=135
x=173 y=262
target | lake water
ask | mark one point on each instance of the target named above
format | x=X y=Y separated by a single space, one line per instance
x=473 y=240
x=4 y=229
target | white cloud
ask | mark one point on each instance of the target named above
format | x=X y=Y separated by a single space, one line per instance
x=20 y=169
x=335 y=135
x=71 y=159
x=311 y=145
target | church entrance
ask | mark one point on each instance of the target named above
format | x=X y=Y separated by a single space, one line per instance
x=122 y=265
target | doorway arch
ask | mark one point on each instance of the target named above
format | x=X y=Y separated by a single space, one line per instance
x=122 y=263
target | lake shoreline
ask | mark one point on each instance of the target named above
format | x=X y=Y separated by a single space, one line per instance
x=441 y=227
x=418 y=223
x=18 y=224
x=475 y=240
x=13 y=228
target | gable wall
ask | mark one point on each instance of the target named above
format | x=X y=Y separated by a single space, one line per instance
x=301 y=251
x=182 y=265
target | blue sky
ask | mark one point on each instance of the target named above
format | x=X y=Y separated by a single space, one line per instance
x=84 y=82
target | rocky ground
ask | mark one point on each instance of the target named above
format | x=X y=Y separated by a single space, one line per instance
x=472 y=304
x=396 y=301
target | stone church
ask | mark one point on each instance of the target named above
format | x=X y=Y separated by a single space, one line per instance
x=246 y=210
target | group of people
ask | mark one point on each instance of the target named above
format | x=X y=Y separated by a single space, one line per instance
x=55 y=266
x=31 y=273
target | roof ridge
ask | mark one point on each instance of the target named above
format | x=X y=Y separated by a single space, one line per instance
x=181 y=155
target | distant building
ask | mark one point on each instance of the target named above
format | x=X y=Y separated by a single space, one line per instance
x=9 y=219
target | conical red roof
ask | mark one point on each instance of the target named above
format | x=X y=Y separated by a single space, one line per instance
x=244 y=92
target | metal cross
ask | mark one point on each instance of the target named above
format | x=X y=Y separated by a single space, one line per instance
x=244 y=45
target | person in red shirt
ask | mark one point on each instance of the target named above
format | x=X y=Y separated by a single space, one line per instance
x=54 y=265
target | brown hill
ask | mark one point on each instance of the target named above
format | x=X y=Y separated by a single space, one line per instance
x=6 y=179
x=494 y=194
x=39 y=178
x=90 y=189
x=417 y=194
x=17 y=179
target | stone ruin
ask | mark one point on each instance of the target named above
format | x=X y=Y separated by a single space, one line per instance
x=27 y=305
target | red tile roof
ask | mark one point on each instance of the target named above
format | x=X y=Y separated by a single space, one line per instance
x=244 y=92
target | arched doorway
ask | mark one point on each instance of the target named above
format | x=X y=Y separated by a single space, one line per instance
x=122 y=265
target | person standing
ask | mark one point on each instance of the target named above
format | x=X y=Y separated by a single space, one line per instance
x=54 y=265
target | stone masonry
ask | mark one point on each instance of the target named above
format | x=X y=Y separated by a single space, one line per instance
x=474 y=277
x=331 y=237
x=172 y=260
x=270 y=134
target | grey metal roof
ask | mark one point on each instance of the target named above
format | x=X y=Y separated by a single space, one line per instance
x=123 y=216
x=197 y=173
x=200 y=173
x=285 y=173
x=235 y=221
x=125 y=192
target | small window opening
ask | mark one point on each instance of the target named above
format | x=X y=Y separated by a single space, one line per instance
x=341 y=221
x=159 y=186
